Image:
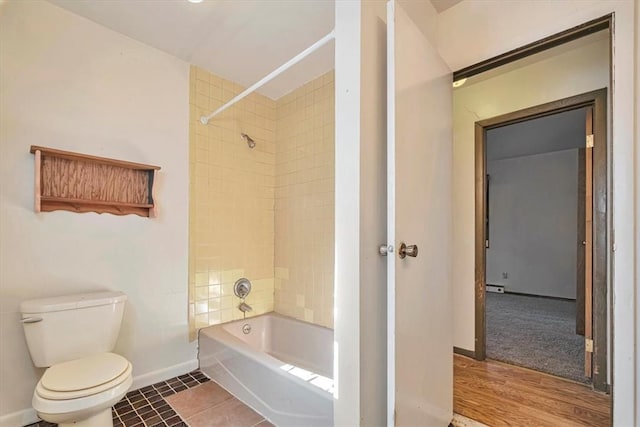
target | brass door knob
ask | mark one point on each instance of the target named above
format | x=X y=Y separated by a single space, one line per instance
x=408 y=250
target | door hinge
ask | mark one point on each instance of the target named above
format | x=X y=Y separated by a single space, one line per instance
x=588 y=345
x=589 y=141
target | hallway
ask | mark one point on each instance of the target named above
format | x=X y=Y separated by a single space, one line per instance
x=498 y=394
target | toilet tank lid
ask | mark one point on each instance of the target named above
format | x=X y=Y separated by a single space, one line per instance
x=70 y=302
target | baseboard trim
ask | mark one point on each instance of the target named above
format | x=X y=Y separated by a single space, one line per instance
x=463 y=352
x=539 y=296
x=163 y=374
x=19 y=418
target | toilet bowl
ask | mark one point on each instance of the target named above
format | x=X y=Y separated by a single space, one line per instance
x=81 y=392
x=73 y=336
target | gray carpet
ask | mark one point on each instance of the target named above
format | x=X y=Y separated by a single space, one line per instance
x=537 y=333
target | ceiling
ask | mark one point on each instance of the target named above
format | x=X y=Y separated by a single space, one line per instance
x=558 y=132
x=442 y=5
x=241 y=41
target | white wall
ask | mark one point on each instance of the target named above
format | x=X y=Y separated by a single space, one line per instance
x=473 y=31
x=572 y=73
x=533 y=223
x=70 y=84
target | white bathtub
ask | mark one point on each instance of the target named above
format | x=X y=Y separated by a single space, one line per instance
x=282 y=368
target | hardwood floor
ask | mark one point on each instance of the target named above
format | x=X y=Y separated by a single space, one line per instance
x=498 y=394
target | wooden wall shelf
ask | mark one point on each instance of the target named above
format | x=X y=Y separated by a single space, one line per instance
x=81 y=183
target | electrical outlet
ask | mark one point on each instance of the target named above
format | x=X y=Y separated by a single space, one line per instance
x=505 y=275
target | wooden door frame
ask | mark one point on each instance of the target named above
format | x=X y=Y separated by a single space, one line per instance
x=581 y=237
x=597 y=99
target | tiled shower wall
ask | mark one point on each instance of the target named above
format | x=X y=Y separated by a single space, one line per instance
x=304 y=219
x=240 y=197
x=231 y=201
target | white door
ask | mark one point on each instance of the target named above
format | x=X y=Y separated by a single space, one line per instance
x=420 y=349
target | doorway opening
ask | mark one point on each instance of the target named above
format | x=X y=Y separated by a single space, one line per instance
x=563 y=75
x=541 y=238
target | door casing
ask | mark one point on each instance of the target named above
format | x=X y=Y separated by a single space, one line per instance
x=598 y=100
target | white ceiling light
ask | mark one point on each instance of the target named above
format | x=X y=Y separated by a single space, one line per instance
x=460 y=82
x=195 y=1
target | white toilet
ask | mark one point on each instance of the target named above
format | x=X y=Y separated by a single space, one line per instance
x=73 y=335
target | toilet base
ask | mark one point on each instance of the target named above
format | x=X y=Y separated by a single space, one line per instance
x=101 y=419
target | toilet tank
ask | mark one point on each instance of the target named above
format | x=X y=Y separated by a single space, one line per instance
x=69 y=327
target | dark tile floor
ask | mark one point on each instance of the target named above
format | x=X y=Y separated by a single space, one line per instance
x=147 y=407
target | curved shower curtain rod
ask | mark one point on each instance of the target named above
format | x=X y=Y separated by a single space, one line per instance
x=284 y=67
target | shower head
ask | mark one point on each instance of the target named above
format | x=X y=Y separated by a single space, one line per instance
x=250 y=142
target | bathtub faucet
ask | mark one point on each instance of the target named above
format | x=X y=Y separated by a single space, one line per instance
x=244 y=307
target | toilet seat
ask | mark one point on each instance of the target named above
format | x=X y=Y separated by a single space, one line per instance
x=72 y=410
x=69 y=406
x=83 y=377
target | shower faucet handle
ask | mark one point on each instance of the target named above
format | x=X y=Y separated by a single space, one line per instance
x=242 y=288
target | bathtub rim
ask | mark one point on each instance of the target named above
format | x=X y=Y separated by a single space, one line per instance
x=220 y=334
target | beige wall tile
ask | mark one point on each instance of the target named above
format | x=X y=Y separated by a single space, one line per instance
x=304 y=201
x=264 y=213
x=231 y=207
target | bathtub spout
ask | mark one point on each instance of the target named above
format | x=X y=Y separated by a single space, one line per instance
x=244 y=307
